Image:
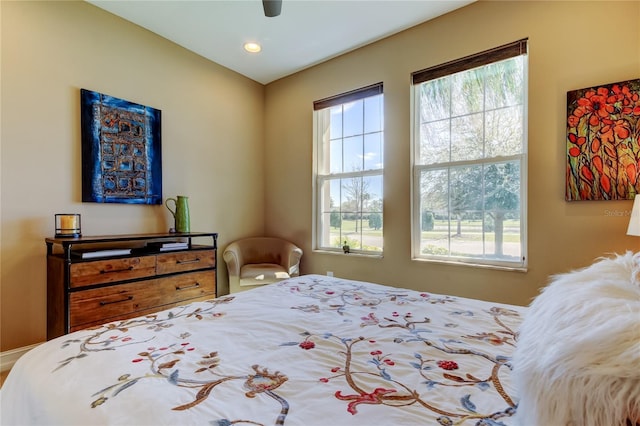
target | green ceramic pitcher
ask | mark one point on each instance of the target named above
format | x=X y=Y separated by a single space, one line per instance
x=180 y=213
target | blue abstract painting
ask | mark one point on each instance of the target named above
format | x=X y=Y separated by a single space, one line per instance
x=121 y=150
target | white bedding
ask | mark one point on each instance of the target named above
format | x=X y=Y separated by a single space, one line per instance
x=311 y=350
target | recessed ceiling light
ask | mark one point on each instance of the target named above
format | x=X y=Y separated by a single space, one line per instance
x=252 y=47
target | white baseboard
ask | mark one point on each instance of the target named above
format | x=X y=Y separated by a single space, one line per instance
x=8 y=358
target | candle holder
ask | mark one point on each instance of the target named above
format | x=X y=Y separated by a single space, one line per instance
x=68 y=225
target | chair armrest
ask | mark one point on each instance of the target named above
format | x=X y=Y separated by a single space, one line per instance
x=292 y=255
x=233 y=257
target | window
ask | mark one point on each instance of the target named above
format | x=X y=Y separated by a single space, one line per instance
x=469 y=159
x=348 y=166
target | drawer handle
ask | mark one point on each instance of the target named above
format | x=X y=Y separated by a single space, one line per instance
x=196 y=285
x=130 y=268
x=182 y=262
x=103 y=303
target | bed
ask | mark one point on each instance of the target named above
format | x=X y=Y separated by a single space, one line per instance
x=311 y=350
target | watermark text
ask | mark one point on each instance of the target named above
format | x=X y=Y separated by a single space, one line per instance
x=617 y=213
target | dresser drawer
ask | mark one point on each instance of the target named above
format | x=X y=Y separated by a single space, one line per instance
x=124 y=300
x=111 y=270
x=168 y=263
x=186 y=286
x=147 y=312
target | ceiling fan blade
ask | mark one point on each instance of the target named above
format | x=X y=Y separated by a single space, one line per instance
x=272 y=7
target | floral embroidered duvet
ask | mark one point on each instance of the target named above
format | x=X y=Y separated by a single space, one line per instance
x=311 y=350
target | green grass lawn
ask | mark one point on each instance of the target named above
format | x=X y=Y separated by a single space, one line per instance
x=471 y=230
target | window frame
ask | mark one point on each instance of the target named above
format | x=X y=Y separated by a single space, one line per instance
x=508 y=51
x=323 y=106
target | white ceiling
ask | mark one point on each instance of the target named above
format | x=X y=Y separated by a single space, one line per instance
x=306 y=33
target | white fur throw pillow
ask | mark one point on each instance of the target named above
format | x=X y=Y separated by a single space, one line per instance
x=577 y=361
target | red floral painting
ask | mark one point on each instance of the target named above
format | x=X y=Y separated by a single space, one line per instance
x=603 y=148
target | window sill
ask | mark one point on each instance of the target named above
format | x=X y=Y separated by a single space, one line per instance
x=353 y=254
x=474 y=265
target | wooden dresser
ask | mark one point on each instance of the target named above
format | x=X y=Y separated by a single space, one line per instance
x=93 y=280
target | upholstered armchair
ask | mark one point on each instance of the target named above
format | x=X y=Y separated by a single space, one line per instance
x=260 y=260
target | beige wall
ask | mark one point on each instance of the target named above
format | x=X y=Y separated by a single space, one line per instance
x=569 y=49
x=212 y=141
x=242 y=152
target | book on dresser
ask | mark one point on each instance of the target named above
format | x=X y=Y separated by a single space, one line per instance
x=168 y=246
x=92 y=254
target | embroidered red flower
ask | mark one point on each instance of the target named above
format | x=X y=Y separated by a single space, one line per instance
x=448 y=365
x=307 y=344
